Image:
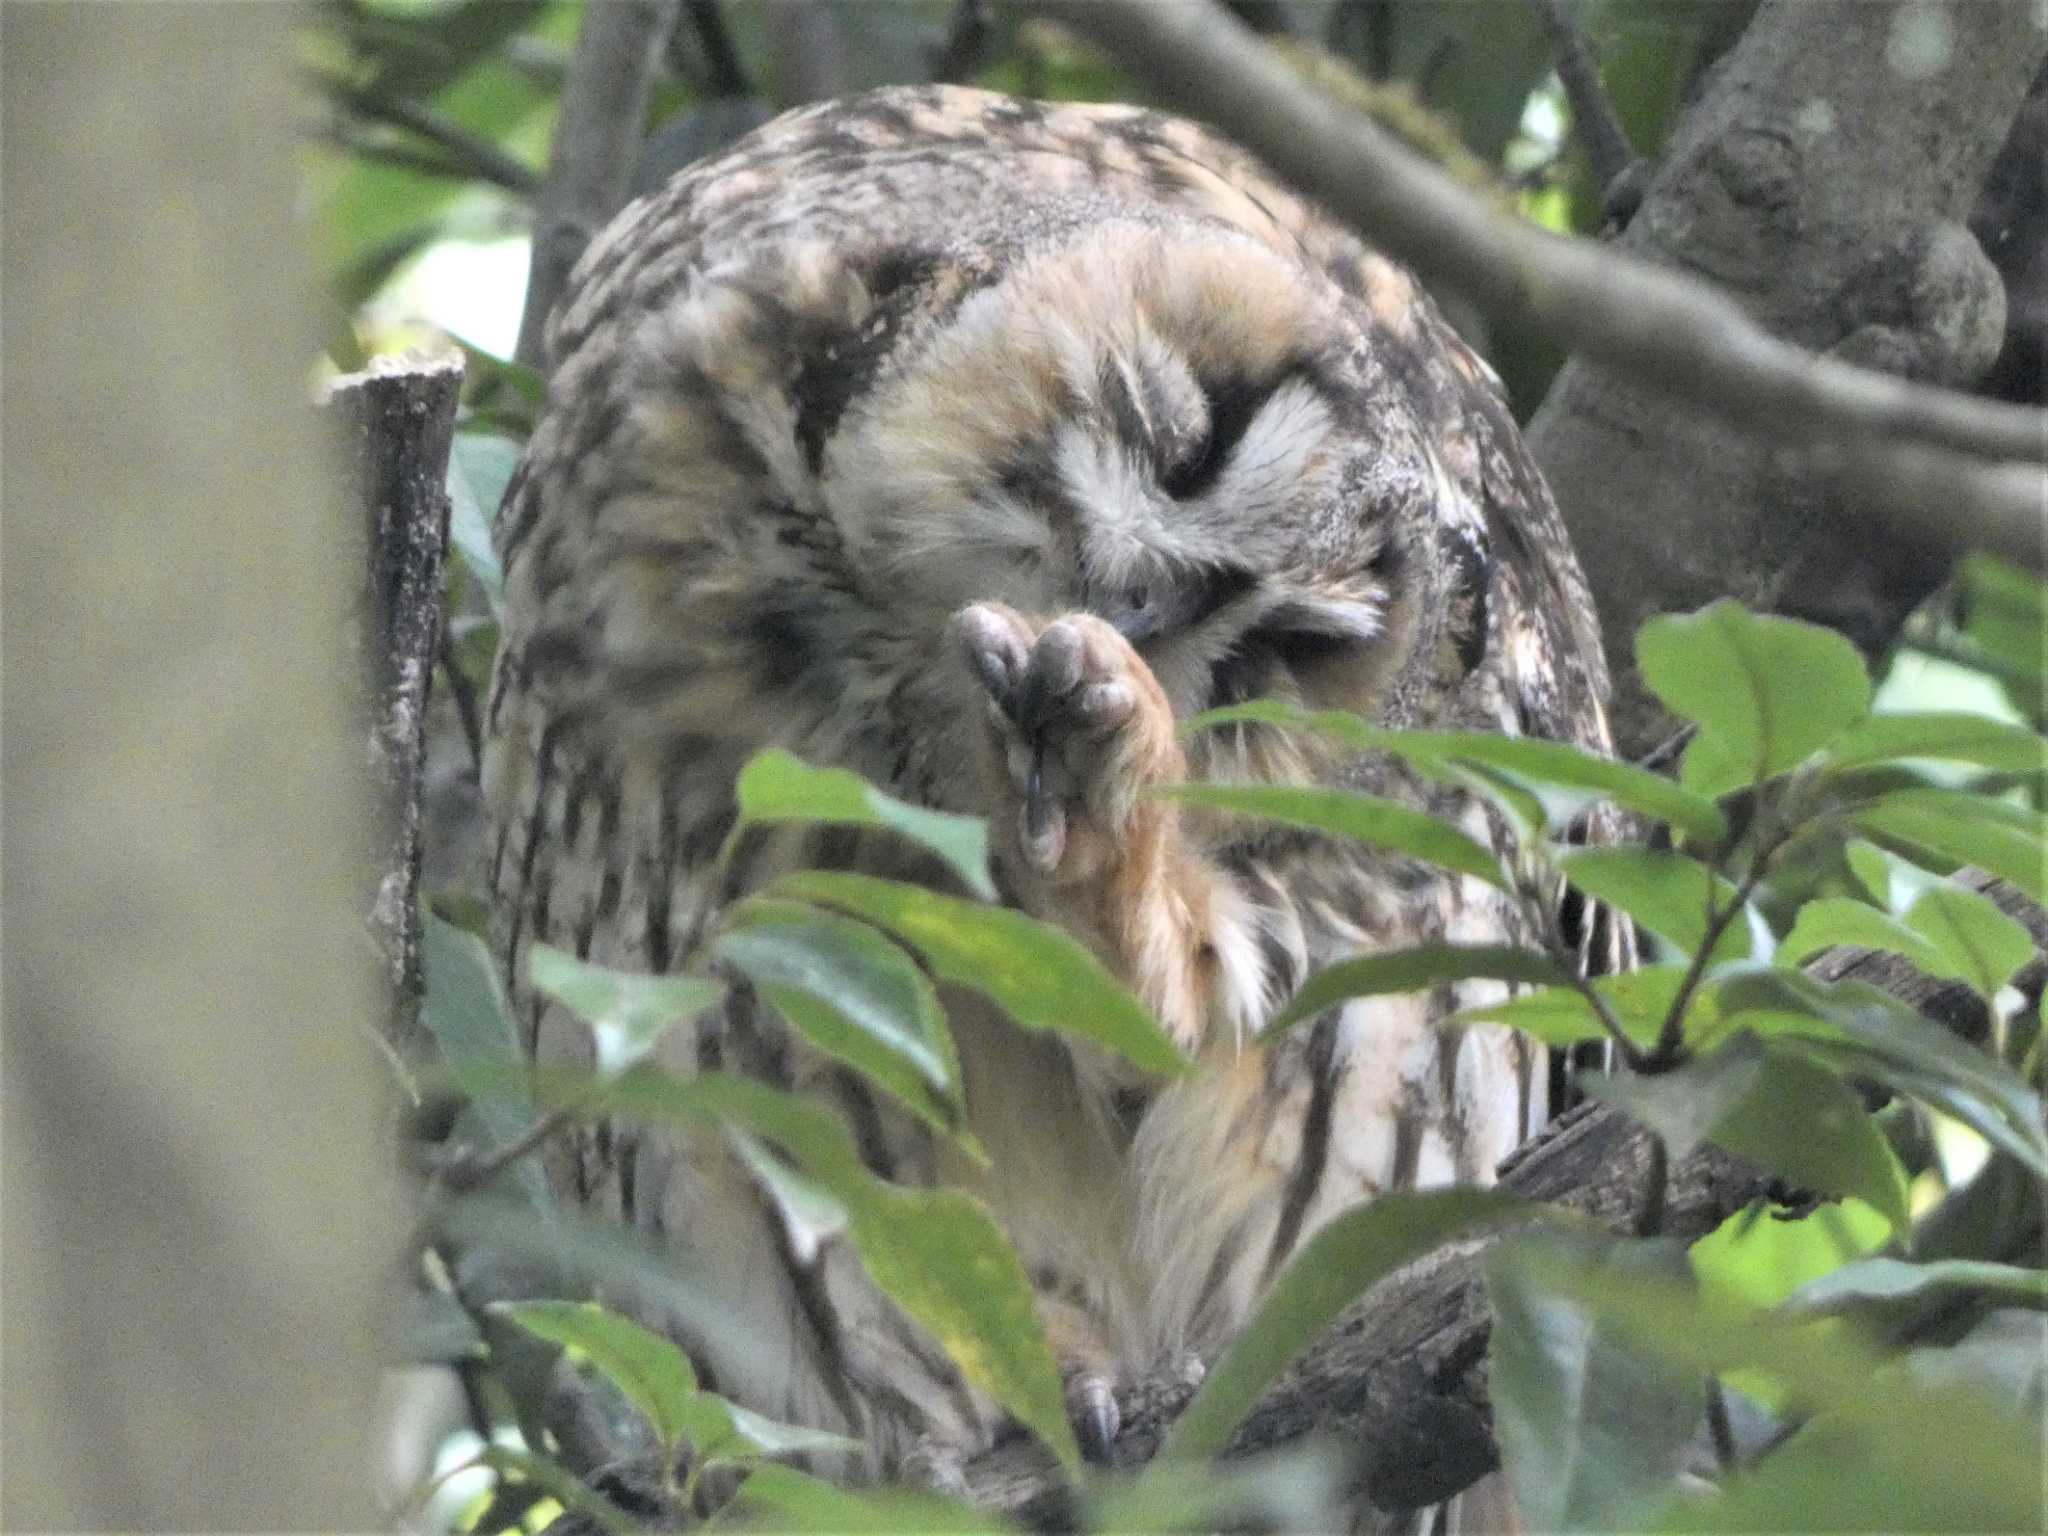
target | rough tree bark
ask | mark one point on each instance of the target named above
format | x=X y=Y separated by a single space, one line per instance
x=1822 y=179
x=397 y=421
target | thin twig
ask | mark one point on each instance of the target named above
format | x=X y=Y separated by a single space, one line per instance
x=480 y=159
x=1593 y=116
x=470 y=1170
x=724 y=74
x=1912 y=452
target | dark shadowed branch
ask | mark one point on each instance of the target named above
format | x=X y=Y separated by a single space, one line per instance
x=1594 y=119
x=597 y=137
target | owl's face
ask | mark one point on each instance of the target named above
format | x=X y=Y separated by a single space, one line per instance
x=1174 y=429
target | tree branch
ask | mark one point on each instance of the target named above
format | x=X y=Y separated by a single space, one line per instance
x=1905 y=449
x=468 y=154
x=1401 y=1378
x=597 y=136
x=1593 y=116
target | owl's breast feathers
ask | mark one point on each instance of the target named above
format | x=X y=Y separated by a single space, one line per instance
x=927 y=348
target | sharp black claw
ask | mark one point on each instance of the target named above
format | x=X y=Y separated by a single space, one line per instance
x=1096 y=1421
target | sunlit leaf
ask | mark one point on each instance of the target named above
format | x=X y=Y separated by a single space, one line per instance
x=628 y=1013
x=1767 y=692
x=1528 y=758
x=855 y=995
x=1592 y=1429
x=1035 y=973
x=774 y=786
x=655 y=1375
x=1665 y=892
x=1345 y=813
x=1337 y=1265
x=1839 y=921
x=1959 y=828
x=1972 y=939
x=1410 y=970
x=1560 y=1016
x=1950 y=735
x=1887 y=1279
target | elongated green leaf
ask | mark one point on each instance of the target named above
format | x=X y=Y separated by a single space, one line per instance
x=936 y=1253
x=1038 y=975
x=1767 y=692
x=480 y=464
x=784 y=1499
x=628 y=1013
x=1882 y=1279
x=1592 y=1430
x=560 y=1484
x=651 y=1371
x=1410 y=970
x=1832 y=921
x=1973 y=940
x=775 y=786
x=1338 y=1264
x=940 y=1256
x=1344 y=813
x=1951 y=735
x=1897 y=1047
x=1529 y=758
x=725 y=1431
x=1561 y=1016
x=1665 y=892
x=465 y=1011
x=855 y=995
x=2000 y=839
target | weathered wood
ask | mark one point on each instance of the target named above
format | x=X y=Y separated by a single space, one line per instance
x=398 y=421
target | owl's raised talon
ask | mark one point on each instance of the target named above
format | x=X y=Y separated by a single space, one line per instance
x=1092 y=1410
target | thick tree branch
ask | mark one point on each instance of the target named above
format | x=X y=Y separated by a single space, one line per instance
x=1401 y=1379
x=597 y=136
x=1906 y=450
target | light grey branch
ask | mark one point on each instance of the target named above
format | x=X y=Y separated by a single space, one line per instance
x=1649 y=321
x=597 y=136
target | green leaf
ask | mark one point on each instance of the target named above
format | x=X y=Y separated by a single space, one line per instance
x=1832 y=921
x=1859 y=1027
x=1780 y=1111
x=2004 y=613
x=1685 y=1104
x=784 y=1499
x=1767 y=692
x=1882 y=1279
x=726 y=1431
x=464 y=1009
x=480 y=465
x=1592 y=1430
x=855 y=995
x=775 y=786
x=811 y=1217
x=1973 y=940
x=1038 y=975
x=627 y=1013
x=560 y=1484
x=1410 y=970
x=1526 y=758
x=939 y=1255
x=936 y=1253
x=1665 y=892
x=1960 y=828
x=1561 y=1016
x=1345 y=813
x=1949 y=735
x=1341 y=1262
x=655 y=1375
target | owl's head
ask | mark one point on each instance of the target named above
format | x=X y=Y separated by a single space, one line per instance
x=1176 y=428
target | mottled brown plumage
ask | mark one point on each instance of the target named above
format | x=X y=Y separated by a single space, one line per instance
x=944 y=436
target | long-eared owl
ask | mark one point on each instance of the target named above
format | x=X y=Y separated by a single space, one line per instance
x=972 y=443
